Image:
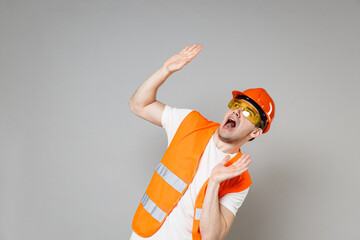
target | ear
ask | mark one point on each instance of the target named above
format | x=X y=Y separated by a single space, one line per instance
x=257 y=132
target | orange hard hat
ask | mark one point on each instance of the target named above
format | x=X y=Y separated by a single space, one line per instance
x=261 y=101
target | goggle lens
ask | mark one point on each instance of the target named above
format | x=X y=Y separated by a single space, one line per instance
x=247 y=110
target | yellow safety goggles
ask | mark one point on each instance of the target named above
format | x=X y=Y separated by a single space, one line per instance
x=247 y=110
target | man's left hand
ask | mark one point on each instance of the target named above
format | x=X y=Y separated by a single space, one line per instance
x=221 y=173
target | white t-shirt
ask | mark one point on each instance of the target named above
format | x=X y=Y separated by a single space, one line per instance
x=178 y=224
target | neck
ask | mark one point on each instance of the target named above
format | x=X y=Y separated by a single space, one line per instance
x=228 y=147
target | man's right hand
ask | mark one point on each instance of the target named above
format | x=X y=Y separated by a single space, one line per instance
x=179 y=60
x=143 y=103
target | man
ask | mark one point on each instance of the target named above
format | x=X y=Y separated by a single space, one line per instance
x=202 y=179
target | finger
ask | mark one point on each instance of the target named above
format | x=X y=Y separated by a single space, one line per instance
x=185 y=49
x=191 y=48
x=195 y=49
x=194 y=52
x=242 y=159
x=242 y=171
x=244 y=166
x=225 y=160
x=237 y=172
x=246 y=163
x=190 y=57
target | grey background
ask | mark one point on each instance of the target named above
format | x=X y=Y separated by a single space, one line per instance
x=75 y=161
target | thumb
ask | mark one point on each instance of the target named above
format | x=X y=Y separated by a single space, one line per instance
x=225 y=160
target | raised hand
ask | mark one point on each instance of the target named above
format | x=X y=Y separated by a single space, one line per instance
x=221 y=173
x=179 y=60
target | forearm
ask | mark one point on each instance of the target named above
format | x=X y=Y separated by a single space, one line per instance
x=212 y=223
x=146 y=93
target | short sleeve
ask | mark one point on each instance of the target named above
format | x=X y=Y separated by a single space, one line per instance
x=171 y=119
x=233 y=201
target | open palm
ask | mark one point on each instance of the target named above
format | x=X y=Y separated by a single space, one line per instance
x=221 y=172
x=179 y=60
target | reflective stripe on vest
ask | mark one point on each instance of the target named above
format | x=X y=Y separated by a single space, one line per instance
x=173 y=181
x=170 y=178
x=197 y=214
x=151 y=208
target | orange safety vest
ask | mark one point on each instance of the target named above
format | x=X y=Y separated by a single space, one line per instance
x=176 y=171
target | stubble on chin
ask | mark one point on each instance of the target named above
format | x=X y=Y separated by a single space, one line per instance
x=224 y=137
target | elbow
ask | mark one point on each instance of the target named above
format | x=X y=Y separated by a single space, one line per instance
x=207 y=234
x=205 y=237
x=203 y=231
x=131 y=104
x=133 y=107
x=209 y=237
x=211 y=232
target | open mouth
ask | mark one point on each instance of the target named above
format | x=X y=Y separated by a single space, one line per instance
x=231 y=123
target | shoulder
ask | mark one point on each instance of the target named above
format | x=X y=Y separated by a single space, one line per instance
x=172 y=118
x=174 y=113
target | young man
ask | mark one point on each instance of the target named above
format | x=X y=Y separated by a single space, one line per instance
x=202 y=179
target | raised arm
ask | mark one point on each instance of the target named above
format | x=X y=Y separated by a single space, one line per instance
x=143 y=103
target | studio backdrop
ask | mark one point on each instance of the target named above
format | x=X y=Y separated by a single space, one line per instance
x=75 y=161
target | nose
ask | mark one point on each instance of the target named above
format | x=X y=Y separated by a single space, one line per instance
x=238 y=112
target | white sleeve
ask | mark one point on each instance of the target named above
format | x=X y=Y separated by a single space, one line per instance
x=233 y=201
x=171 y=119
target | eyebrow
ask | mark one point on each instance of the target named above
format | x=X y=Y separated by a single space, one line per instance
x=244 y=100
x=252 y=107
x=250 y=110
